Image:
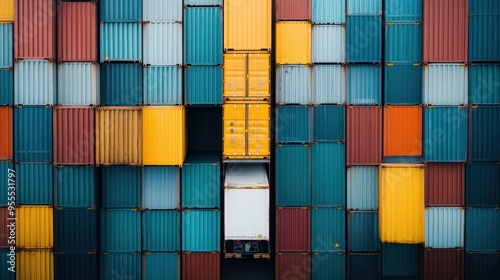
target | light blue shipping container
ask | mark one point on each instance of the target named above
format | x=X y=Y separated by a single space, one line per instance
x=363 y=234
x=75 y=186
x=121 y=84
x=120 y=230
x=403 y=84
x=293 y=175
x=161 y=266
x=163 y=85
x=6 y=48
x=403 y=11
x=75 y=230
x=328 y=44
x=201 y=230
x=444 y=227
x=201 y=181
x=120 y=11
x=161 y=231
x=203 y=85
x=481 y=185
x=364 y=39
x=482 y=265
x=482 y=229
x=399 y=261
x=484 y=134
x=484 y=83
x=364 y=85
x=120 y=41
x=162 y=10
x=4 y=177
x=161 y=187
x=328 y=230
x=484 y=27
x=34 y=184
x=121 y=187
x=293 y=124
x=203 y=36
x=162 y=43
x=445 y=84
x=35 y=82
x=120 y=266
x=403 y=42
x=364 y=7
x=4 y=272
x=76 y=266
x=328 y=11
x=329 y=123
x=329 y=84
x=78 y=83
x=362 y=187
x=328 y=264
x=293 y=84
x=203 y=2
x=364 y=266
x=328 y=174
x=33 y=122
x=6 y=86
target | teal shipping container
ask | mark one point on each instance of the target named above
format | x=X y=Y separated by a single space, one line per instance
x=482 y=229
x=403 y=11
x=364 y=266
x=120 y=266
x=4 y=272
x=120 y=41
x=363 y=7
x=121 y=84
x=293 y=175
x=203 y=85
x=77 y=266
x=329 y=123
x=34 y=184
x=120 y=11
x=328 y=229
x=328 y=11
x=328 y=174
x=201 y=230
x=482 y=265
x=484 y=27
x=161 y=187
x=33 y=122
x=7 y=46
x=362 y=187
x=403 y=42
x=363 y=234
x=75 y=186
x=364 y=85
x=163 y=85
x=121 y=187
x=161 y=266
x=293 y=124
x=120 y=230
x=204 y=126
x=203 y=2
x=482 y=181
x=484 y=85
x=328 y=264
x=203 y=35
x=403 y=83
x=201 y=181
x=4 y=177
x=161 y=231
x=484 y=133
x=6 y=86
x=364 y=38
x=399 y=261
x=75 y=230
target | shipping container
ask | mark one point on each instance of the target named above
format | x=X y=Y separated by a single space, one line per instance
x=362 y=187
x=328 y=264
x=445 y=30
x=403 y=11
x=120 y=11
x=484 y=133
x=247 y=25
x=293 y=9
x=328 y=174
x=293 y=42
x=364 y=84
x=329 y=84
x=120 y=265
x=7 y=37
x=247 y=75
x=161 y=266
x=203 y=27
x=401 y=203
x=364 y=7
x=445 y=134
x=364 y=38
x=121 y=187
x=159 y=37
x=75 y=187
x=5 y=262
x=201 y=230
x=161 y=231
x=441 y=264
x=293 y=229
x=121 y=84
x=35 y=265
x=328 y=230
x=34 y=227
x=328 y=11
x=6 y=86
x=403 y=42
x=481 y=229
x=78 y=83
x=482 y=181
x=203 y=2
x=201 y=178
x=34 y=183
x=295 y=265
x=118 y=135
x=444 y=184
x=7 y=13
x=482 y=265
x=444 y=227
x=161 y=187
x=73 y=135
x=4 y=177
x=120 y=231
x=445 y=84
x=364 y=266
x=293 y=84
x=483 y=30
x=33 y=122
x=200 y=266
x=329 y=123
x=35 y=82
x=121 y=41
x=6 y=139
x=160 y=10
x=483 y=83
x=35 y=29
x=203 y=85
x=364 y=135
x=293 y=175
x=204 y=126
x=77 y=266
x=77 y=32
x=402 y=131
x=5 y=229
x=75 y=230
x=403 y=83
x=293 y=124
x=399 y=261
x=328 y=43
x=162 y=85
x=362 y=229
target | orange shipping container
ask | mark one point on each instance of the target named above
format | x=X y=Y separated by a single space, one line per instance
x=6 y=133
x=402 y=131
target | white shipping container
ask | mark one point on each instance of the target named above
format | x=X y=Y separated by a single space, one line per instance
x=445 y=84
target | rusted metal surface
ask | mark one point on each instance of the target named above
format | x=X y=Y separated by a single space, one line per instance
x=364 y=135
x=77 y=31
x=293 y=229
x=444 y=184
x=293 y=9
x=200 y=266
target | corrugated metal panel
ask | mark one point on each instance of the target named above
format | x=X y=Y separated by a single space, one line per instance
x=161 y=231
x=118 y=135
x=164 y=135
x=293 y=42
x=203 y=2
x=163 y=85
x=205 y=127
x=127 y=266
x=484 y=134
x=292 y=265
x=247 y=24
x=329 y=84
x=483 y=179
x=201 y=266
x=158 y=266
x=4 y=259
x=445 y=134
x=7 y=37
x=328 y=174
x=203 y=85
x=445 y=84
x=161 y=10
x=329 y=123
x=362 y=187
x=7 y=13
x=120 y=230
x=483 y=36
x=484 y=83
x=328 y=43
x=444 y=227
x=6 y=86
x=75 y=186
x=444 y=184
x=364 y=7
x=4 y=230
x=161 y=187
x=34 y=183
x=73 y=135
x=403 y=11
x=35 y=82
x=77 y=266
x=328 y=264
x=328 y=229
x=399 y=260
x=77 y=32
x=403 y=42
x=293 y=9
x=33 y=123
x=445 y=30
x=121 y=41
x=203 y=27
x=293 y=124
x=364 y=266
x=328 y=11
x=293 y=229
x=78 y=83
x=401 y=203
x=75 y=230
x=121 y=84
x=482 y=265
x=6 y=139
x=34 y=227
x=35 y=265
x=441 y=264
x=121 y=187
x=403 y=83
x=4 y=177
x=482 y=230
x=363 y=229
x=246 y=176
x=119 y=11
x=201 y=181
x=293 y=175
x=364 y=135
x=364 y=38
x=402 y=131
x=201 y=230
x=161 y=36
x=293 y=84
x=364 y=86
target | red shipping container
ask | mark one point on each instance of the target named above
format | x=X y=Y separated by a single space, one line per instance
x=200 y=266
x=6 y=150
x=364 y=135
x=77 y=31
x=293 y=266
x=4 y=230
x=293 y=9
x=444 y=184
x=35 y=29
x=74 y=135
x=445 y=30
x=441 y=264
x=293 y=229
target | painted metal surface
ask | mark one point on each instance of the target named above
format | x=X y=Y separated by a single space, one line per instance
x=124 y=265
x=6 y=48
x=120 y=11
x=328 y=174
x=75 y=230
x=364 y=135
x=75 y=187
x=444 y=184
x=161 y=187
x=201 y=266
x=160 y=10
x=401 y=203
x=293 y=175
x=363 y=228
x=4 y=230
x=293 y=229
x=121 y=84
x=328 y=229
x=481 y=229
x=293 y=42
x=35 y=82
x=157 y=266
x=329 y=84
x=203 y=85
x=161 y=36
x=364 y=85
x=6 y=139
x=6 y=86
x=484 y=83
x=120 y=231
x=362 y=187
x=403 y=11
x=445 y=134
x=78 y=83
x=285 y=264
x=293 y=124
x=7 y=13
x=399 y=260
x=364 y=7
x=203 y=2
x=201 y=177
x=364 y=266
x=445 y=84
x=482 y=181
x=328 y=44
x=78 y=266
x=444 y=227
x=484 y=133
x=33 y=123
x=115 y=35
x=293 y=9
x=293 y=84
x=329 y=264
x=483 y=34
x=201 y=230
x=5 y=165
x=402 y=131
x=34 y=184
x=34 y=227
x=161 y=231
x=207 y=121
x=441 y=264
x=403 y=83
x=329 y=123
x=121 y=187
x=328 y=11
x=35 y=265
x=482 y=265
x=203 y=27
x=162 y=85
x=403 y=42
x=364 y=38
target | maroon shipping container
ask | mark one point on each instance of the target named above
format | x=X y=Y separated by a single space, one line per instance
x=74 y=135
x=35 y=29
x=4 y=230
x=445 y=30
x=293 y=266
x=293 y=229
x=77 y=31
x=364 y=135
x=293 y=9
x=441 y=264
x=200 y=266
x=444 y=184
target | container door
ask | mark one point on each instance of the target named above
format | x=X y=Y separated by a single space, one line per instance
x=234 y=75
x=258 y=130
x=234 y=130
x=258 y=75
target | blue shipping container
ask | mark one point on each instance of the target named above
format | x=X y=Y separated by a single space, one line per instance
x=121 y=187
x=203 y=2
x=206 y=121
x=163 y=85
x=203 y=36
x=328 y=229
x=161 y=231
x=121 y=84
x=364 y=266
x=444 y=227
x=362 y=187
x=4 y=177
x=6 y=86
x=34 y=183
x=403 y=42
x=120 y=231
x=203 y=85
x=403 y=84
x=329 y=84
x=120 y=11
x=6 y=48
x=362 y=228
x=482 y=265
x=77 y=266
x=364 y=85
x=293 y=175
x=329 y=123
x=201 y=230
x=33 y=122
x=75 y=186
x=363 y=7
x=328 y=11
x=75 y=230
x=364 y=39
x=484 y=84
x=4 y=265
x=161 y=187
x=484 y=27
x=293 y=124
x=120 y=41
x=329 y=264
x=201 y=180
x=399 y=261
x=120 y=266
x=161 y=266
x=482 y=229
x=482 y=181
x=293 y=84
x=484 y=133
x=328 y=174
x=403 y=11
x=35 y=82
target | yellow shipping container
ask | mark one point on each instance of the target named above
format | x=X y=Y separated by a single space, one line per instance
x=247 y=24
x=164 y=135
x=35 y=265
x=246 y=130
x=34 y=227
x=247 y=75
x=401 y=203
x=119 y=135
x=293 y=42
x=6 y=10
